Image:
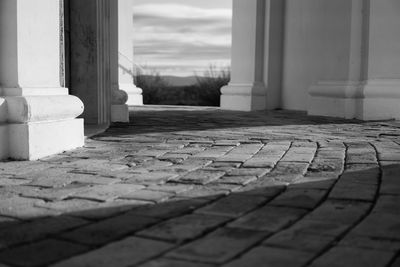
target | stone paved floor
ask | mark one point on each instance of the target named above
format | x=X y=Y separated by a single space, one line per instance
x=200 y=187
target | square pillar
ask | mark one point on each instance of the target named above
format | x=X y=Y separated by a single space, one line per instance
x=257 y=49
x=246 y=91
x=124 y=90
x=363 y=79
x=37 y=115
x=126 y=62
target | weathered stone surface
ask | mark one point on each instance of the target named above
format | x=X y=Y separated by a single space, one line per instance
x=126 y=252
x=266 y=256
x=184 y=228
x=24 y=208
x=218 y=247
x=345 y=256
x=107 y=192
x=99 y=233
x=337 y=211
x=268 y=218
x=163 y=262
x=312 y=243
x=262 y=200
x=37 y=229
x=41 y=253
x=200 y=177
x=233 y=206
x=148 y=195
x=299 y=198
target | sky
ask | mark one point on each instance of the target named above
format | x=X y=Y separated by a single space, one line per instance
x=182 y=37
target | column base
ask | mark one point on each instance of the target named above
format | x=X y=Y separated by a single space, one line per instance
x=119 y=113
x=243 y=97
x=370 y=100
x=31 y=141
x=135 y=97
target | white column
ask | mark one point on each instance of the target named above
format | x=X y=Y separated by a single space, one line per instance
x=125 y=53
x=246 y=91
x=37 y=116
x=364 y=80
x=119 y=108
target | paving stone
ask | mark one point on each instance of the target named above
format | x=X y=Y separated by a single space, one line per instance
x=107 y=192
x=288 y=171
x=337 y=211
x=9 y=181
x=218 y=247
x=316 y=227
x=299 y=154
x=387 y=204
x=233 y=205
x=388 y=226
x=199 y=177
x=24 y=208
x=19 y=168
x=390 y=179
x=248 y=172
x=8 y=222
x=224 y=165
x=326 y=165
x=300 y=241
x=366 y=176
x=37 y=229
x=354 y=240
x=152 y=165
x=266 y=256
x=353 y=191
x=263 y=187
x=172 y=263
x=127 y=252
x=59 y=177
x=345 y=256
x=151 y=153
x=189 y=150
x=206 y=192
x=213 y=153
x=184 y=228
x=299 y=198
x=108 y=230
x=51 y=194
x=268 y=218
x=171 y=208
x=148 y=195
x=314 y=182
x=259 y=162
x=239 y=180
x=172 y=188
x=220 y=187
x=91 y=209
x=41 y=253
x=150 y=178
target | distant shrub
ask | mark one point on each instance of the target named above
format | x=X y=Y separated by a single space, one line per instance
x=206 y=91
x=210 y=85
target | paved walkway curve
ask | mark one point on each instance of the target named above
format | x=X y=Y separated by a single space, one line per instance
x=200 y=187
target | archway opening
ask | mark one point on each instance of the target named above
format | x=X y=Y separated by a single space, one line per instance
x=182 y=50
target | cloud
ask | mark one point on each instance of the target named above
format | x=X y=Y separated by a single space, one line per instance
x=175 y=35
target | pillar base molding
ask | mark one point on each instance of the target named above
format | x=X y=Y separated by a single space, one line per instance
x=32 y=127
x=31 y=141
x=243 y=97
x=135 y=97
x=368 y=100
x=119 y=113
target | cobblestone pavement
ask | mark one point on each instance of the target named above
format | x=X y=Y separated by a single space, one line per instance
x=200 y=187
